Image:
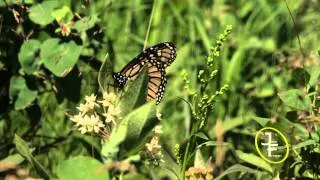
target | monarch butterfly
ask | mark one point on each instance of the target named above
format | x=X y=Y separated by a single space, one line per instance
x=156 y=59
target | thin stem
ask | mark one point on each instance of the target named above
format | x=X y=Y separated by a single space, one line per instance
x=295 y=28
x=149 y=25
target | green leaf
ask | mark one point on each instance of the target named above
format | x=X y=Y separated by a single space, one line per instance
x=28 y=56
x=23 y=148
x=254 y=160
x=11 y=162
x=85 y=23
x=304 y=144
x=105 y=78
x=314 y=75
x=133 y=176
x=230 y=123
x=201 y=135
x=111 y=147
x=81 y=167
x=198 y=159
x=131 y=131
x=63 y=14
x=242 y=169
x=266 y=90
x=135 y=95
x=20 y=94
x=59 y=58
x=140 y=123
x=301 y=76
x=41 y=13
x=261 y=121
x=296 y=99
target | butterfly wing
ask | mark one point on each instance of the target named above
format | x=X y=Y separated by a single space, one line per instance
x=164 y=53
x=156 y=58
x=157 y=82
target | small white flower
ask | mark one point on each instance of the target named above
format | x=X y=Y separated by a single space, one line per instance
x=109 y=118
x=159 y=115
x=153 y=145
x=108 y=99
x=85 y=108
x=77 y=119
x=158 y=129
x=90 y=124
x=114 y=111
x=91 y=99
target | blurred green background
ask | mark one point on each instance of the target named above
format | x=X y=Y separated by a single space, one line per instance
x=260 y=61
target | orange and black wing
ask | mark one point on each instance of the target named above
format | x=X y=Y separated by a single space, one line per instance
x=156 y=58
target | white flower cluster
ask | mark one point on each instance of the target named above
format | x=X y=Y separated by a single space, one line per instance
x=153 y=147
x=88 y=120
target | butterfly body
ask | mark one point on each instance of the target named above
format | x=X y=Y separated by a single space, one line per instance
x=156 y=59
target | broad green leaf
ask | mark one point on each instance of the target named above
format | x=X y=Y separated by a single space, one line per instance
x=28 y=56
x=105 y=78
x=23 y=148
x=135 y=94
x=63 y=14
x=140 y=123
x=130 y=131
x=58 y=57
x=20 y=94
x=110 y=147
x=254 y=160
x=296 y=99
x=81 y=167
x=85 y=23
x=242 y=169
x=42 y=13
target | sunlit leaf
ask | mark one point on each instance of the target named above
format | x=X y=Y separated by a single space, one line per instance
x=63 y=14
x=296 y=99
x=131 y=130
x=254 y=160
x=58 y=57
x=41 y=13
x=85 y=23
x=81 y=168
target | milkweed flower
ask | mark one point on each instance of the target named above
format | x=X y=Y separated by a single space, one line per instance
x=108 y=99
x=89 y=124
x=200 y=172
x=90 y=119
x=153 y=145
x=158 y=129
x=89 y=105
x=153 y=148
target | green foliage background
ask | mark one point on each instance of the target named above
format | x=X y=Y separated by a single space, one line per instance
x=272 y=80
